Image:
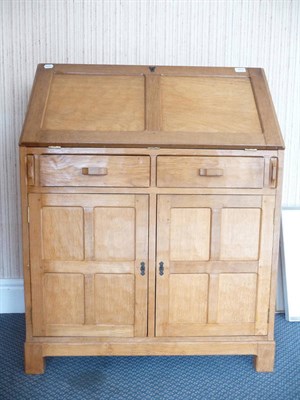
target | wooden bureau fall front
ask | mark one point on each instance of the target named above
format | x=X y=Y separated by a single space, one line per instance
x=151 y=209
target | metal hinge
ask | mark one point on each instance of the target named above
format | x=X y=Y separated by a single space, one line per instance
x=54 y=147
x=268 y=315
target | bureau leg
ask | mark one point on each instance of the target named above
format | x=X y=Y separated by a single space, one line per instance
x=34 y=360
x=264 y=360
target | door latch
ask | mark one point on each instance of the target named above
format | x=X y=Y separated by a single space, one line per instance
x=161 y=268
x=143 y=268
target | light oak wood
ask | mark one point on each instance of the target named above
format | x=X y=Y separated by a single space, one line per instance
x=114 y=299
x=275 y=253
x=240 y=233
x=25 y=239
x=105 y=330
x=62 y=233
x=211 y=266
x=89 y=301
x=89 y=227
x=152 y=259
x=210 y=172
x=30 y=170
x=110 y=103
x=153 y=103
x=265 y=105
x=63 y=299
x=34 y=360
x=265 y=265
x=188 y=298
x=264 y=360
x=184 y=245
x=151 y=151
x=98 y=171
x=206 y=104
x=141 y=258
x=154 y=190
x=210 y=329
x=114 y=234
x=147 y=340
x=72 y=287
x=94 y=267
x=144 y=349
x=36 y=273
x=273 y=171
x=121 y=105
x=213 y=298
x=94 y=171
x=238 y=297
x=172 y=165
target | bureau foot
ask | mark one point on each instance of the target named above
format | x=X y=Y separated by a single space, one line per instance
x=34 y=360
x=264 y=360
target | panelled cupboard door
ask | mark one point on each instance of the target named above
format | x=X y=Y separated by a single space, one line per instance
x=86 y=253
x=214 y=256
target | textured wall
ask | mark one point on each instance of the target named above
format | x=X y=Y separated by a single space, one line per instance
x=179 y=32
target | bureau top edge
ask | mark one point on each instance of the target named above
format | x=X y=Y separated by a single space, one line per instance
x=146 y=146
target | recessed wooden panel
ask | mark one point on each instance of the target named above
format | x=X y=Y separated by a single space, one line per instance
x=237 y=271
x=62 y=233
x=188 y=298
x=114 y=299
x=227 y=172
x=208 y=104
x=95 y=103
x=114 y=233
x=63 y=298
x=240 y=233
x=190 y=234
x=237 y=298
x=83 y=170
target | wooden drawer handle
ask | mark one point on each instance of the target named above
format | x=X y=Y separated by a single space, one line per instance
x=96 y=171
x=211 y=172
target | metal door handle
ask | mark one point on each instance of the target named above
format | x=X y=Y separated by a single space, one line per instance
x=161 y=268
x=143 y=268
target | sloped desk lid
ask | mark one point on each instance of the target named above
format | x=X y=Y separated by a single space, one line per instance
x=141 y=106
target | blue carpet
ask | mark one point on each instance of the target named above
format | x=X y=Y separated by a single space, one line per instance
x=149 y=378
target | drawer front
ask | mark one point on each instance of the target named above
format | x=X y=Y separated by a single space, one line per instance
x=81 y=170
x=211 y=172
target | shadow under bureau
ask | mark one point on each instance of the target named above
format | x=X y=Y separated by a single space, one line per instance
x=151 y=209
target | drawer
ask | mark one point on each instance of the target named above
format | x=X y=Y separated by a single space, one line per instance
x=81 y=170
x=212 y=172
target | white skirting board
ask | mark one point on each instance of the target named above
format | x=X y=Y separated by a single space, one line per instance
x=11 y=296
x=290 y=261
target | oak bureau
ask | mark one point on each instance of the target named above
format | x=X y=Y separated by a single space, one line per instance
x=151 y=209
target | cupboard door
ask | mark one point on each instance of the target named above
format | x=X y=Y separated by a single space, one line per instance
x=86 y=253
x=214 y=256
